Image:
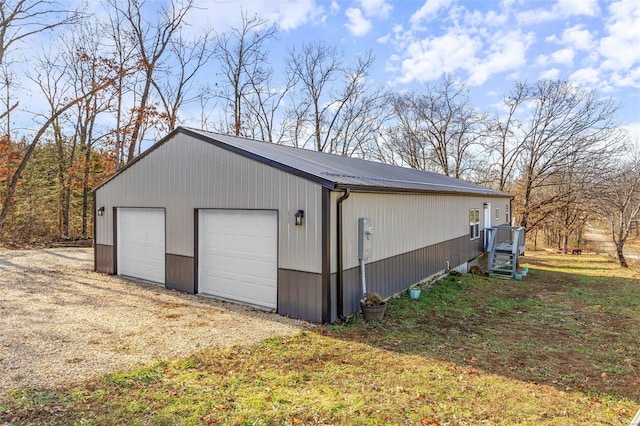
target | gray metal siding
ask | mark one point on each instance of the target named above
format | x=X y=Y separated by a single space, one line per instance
x=185 y=173
x=300 y=295
x=179 y=273
x=394 y=274
x=403 y=222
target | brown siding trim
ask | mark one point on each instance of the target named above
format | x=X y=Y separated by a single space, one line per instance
x=95 y=236
x=300 y=295
x=104 y=259
x=179 y=272
x=394 y=274
x=115 y=240
x=196 y=254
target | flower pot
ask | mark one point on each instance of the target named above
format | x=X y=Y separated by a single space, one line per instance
x=414 y=293
x=375 y=312
x=525 y=271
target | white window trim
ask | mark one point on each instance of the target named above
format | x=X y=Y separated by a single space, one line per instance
x=474 y=224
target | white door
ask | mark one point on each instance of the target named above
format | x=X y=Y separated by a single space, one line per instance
x=238 y=256
x=487 y=224
x=140 y=243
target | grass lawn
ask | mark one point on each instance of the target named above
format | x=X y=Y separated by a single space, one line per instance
x=558 y=347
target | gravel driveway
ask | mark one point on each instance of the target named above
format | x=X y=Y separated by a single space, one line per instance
x=61 y=323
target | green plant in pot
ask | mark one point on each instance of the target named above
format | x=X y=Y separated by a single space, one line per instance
x=373 y=306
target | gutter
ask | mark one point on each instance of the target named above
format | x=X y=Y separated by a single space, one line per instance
x=340 y=279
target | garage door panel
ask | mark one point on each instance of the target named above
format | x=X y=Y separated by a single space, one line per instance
x=238 y=255
x=141 y=244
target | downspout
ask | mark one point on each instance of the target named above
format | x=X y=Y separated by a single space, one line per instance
x=340 y=280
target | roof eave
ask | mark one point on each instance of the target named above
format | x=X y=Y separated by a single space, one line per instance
x=390 y=190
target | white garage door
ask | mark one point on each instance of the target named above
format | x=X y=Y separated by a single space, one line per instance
x=141 y=243
x=238 y=255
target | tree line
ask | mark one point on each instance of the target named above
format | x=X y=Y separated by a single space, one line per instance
x=113 y=82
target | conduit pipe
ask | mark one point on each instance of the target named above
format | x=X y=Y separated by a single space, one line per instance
x=363 y=280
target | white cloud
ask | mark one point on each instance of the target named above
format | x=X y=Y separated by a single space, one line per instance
x=428 y=59
x=288 y=14
x=507 y=52
x=357 y=25
x=384 y=39
x=619 y=80
x=620 y=46
x=335 y=7
x=475 y=45
x=586 y=77
x=376 y=8
x=563 y=57
x=429 y=9
x=560 y=11
x=496 y=19
x=577 y=7
x=542 y=60
x=578 y=38
x=550 y=74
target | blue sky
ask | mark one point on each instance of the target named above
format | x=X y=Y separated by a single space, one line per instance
x=487 y=44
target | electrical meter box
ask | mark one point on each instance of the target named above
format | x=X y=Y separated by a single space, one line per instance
x=365 y=232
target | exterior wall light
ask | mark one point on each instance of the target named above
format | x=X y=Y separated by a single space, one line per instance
x=101 y=211
x=299 y=217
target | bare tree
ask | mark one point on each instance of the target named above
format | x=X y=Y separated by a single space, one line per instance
x=243 y=61
x=50 y=78
x=315 y=68
x=360 y=112
x=150 y=38
x=334 y=107
x=503 y=137
x=264 y=101
x=438 y=129
x=175 y=83
x=19 y=20
x=574 y=188
x=619 y=201
x=87 y=66
x=404 y=139
x=565 y=125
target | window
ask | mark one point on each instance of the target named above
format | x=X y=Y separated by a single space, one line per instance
x=474 y=224
x=507 y=218
x=497 y=215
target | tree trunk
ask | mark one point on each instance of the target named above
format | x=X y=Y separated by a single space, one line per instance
x=621 y=259
x=85 y=190
x=140 y=115
x=66 y=218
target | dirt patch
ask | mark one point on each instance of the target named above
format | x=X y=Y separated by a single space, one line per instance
x=61 y=323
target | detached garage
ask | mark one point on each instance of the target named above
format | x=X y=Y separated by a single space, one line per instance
x=276 y=227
